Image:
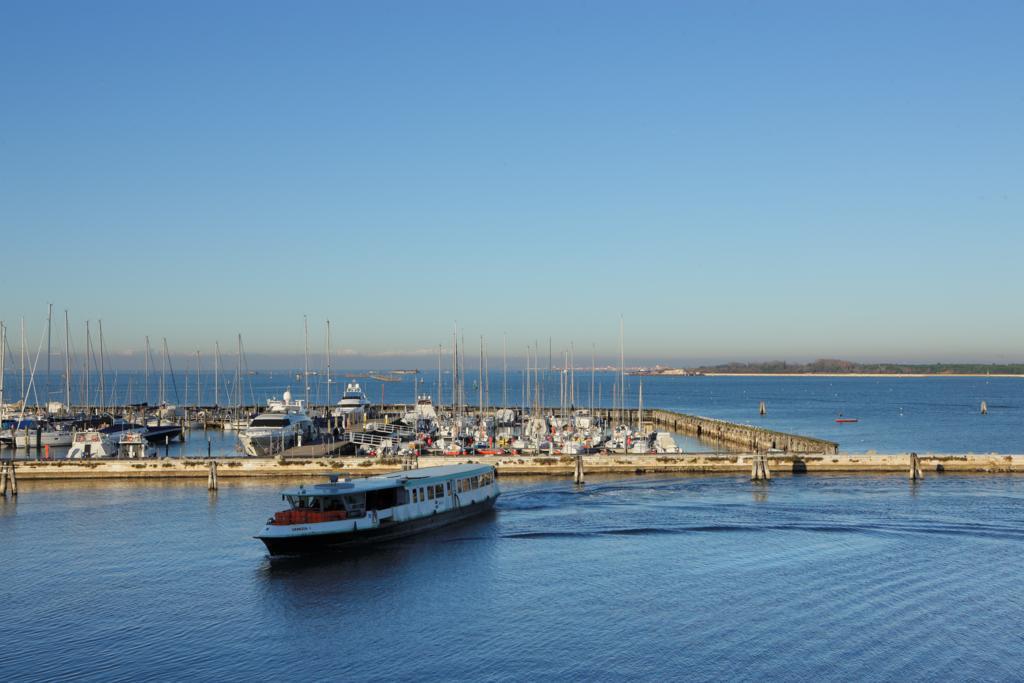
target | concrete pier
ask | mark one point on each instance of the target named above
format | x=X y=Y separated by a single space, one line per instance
x=564 y=466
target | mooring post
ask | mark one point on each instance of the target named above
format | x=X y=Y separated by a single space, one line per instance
x=3 y=478
x=577 y=476
x=167 y=445
x=759 y=468
x=212 y=481
x=13 y=476
x=209 y=447
x=915 y=468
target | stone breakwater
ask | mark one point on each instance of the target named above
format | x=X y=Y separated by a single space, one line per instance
x=779 y=464
x=740 y=436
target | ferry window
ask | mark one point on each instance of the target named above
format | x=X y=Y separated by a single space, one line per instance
x=448 y=484
x=415 y=495
x=439 y=491
x=476 y=482
x=430 y=493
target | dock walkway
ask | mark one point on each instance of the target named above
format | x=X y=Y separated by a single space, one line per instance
x=564 y=466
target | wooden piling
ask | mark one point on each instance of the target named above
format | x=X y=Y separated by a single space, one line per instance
x=8 y=478
x=915 y=468
x=759 y=468
x=211 y=483
x=577 y=476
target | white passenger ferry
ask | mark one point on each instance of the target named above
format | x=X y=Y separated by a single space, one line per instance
x=344 y=514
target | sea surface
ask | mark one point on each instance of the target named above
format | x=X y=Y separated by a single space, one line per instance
x=895 y=414
x=635 y=578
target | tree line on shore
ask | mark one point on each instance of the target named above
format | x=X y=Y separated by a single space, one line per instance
x=835 y=366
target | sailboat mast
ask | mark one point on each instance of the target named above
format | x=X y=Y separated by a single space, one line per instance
x=525 y=382
x=328 y=362
x=49 y=330
x=3 y=363
x=593 y=367
x=504 y=371
x=538 y=394
x=439 y=403
x=163 y=375
x=640 y=409
x=572 y=374
x=238 y=374
x=199 y=394
x=481 y=383
x=67 y=362
x=216 y=374
x=88 y=364
x=622 y=370
x=23 y=356
x=103 y=386
x=305 y=369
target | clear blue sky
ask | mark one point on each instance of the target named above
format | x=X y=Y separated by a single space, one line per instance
x=739 y=180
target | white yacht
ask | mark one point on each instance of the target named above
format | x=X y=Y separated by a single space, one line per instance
x=95 y=443
x=43 y=434
x=346 y=514
x=423 y=416
x=353 y=403
x=283 y=425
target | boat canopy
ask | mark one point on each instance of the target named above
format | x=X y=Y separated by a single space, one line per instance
x=426 y=475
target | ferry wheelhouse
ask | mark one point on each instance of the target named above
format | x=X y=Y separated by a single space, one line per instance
x=344 y=514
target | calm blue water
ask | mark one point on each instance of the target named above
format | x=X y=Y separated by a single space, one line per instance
x=704 y=578
x=935 y=414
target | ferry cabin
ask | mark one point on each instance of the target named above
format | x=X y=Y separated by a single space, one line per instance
x=378 y=508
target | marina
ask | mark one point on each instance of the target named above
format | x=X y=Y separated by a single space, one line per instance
x=511 y=342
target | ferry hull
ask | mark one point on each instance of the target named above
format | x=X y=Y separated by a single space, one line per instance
x=323 y=543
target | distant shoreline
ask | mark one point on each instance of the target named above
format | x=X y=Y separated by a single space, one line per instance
x=843 y=374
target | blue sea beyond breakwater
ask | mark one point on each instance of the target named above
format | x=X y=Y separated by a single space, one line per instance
x=896 y=414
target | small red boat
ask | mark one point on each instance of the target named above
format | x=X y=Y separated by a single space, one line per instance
x=846 y=419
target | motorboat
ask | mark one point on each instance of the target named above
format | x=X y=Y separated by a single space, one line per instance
x=284 y=424
x=352 y=406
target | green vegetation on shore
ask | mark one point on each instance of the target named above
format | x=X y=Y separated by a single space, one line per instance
x=833 y=366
